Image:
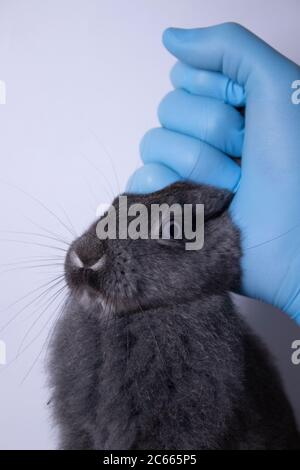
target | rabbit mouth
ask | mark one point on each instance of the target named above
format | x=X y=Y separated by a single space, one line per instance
x=92 y=300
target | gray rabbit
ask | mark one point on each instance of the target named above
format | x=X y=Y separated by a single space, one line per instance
x=150 y=352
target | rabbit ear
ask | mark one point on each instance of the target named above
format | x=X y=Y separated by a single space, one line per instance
x=215 y=200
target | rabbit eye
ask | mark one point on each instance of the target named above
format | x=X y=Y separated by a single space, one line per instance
x=171 y=230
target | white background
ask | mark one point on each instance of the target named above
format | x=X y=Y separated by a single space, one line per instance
x=83 y=81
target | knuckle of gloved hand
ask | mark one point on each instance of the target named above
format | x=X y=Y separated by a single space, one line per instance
x=231 y=29
x=164 y=106
x=214 y=125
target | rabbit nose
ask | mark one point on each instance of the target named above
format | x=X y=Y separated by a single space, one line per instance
x=99 y=264
x=75 y=261
x=78 y=263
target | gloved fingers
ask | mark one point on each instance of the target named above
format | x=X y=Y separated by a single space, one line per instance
x=206 y=83
x=207 y=119
x=150 y=178
x=228 y=48
x=190 y=158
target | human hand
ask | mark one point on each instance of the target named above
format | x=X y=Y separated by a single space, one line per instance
x=222 y=68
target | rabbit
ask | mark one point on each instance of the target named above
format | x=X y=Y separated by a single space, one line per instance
x=150 y=352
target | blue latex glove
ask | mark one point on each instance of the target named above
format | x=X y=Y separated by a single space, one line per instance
x=221 y=68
